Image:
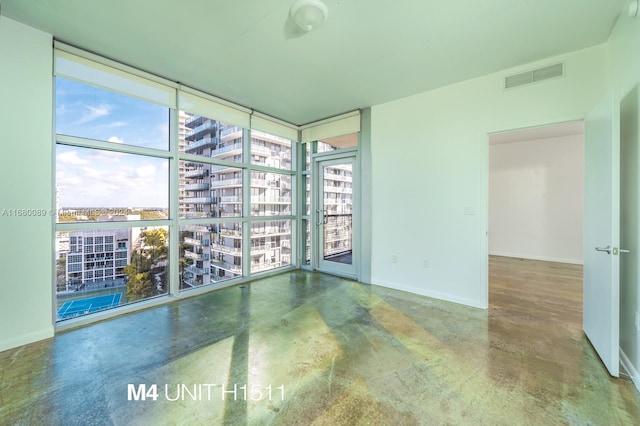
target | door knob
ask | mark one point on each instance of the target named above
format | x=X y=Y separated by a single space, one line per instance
x=607 y=249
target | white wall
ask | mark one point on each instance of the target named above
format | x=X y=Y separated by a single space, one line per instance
x=430 y=172
x=625 y=77
x=25 y=183
x=536 y=199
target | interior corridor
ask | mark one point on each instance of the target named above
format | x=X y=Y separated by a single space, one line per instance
x=316 y=349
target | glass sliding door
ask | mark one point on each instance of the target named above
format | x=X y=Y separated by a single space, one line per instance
x=334 y=218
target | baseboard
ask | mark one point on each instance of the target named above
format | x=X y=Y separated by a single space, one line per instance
x=628 y=365
x=543 y=258
x=25 y=339
x=433 y=294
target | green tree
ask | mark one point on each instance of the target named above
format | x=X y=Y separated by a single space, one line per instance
x=146 y=264
x=139 y=286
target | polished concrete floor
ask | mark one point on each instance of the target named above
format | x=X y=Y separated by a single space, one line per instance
x=315 y=349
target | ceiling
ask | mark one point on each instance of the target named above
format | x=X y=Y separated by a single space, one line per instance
x=368 y=52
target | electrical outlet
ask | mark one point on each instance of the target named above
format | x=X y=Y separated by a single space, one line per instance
x=394 y=259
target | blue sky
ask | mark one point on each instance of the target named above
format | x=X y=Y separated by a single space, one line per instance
x=95 y=178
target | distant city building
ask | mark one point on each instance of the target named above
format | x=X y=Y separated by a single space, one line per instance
x=96 y=258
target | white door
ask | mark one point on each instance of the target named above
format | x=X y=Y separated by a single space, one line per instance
x=601 y=310
x=335 y=197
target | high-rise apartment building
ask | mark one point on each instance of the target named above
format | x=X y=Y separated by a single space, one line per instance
x=213 y=252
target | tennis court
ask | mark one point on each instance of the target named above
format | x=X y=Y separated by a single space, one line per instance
x=89 y=305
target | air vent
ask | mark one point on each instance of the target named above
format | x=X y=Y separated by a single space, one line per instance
x=552 y=71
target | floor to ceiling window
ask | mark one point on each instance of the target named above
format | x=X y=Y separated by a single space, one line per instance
x=161 y=189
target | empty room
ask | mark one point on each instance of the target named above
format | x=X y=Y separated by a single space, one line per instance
x=319 y=212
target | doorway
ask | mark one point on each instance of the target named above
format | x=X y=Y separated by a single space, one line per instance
x=334 y=215
x=536 y=193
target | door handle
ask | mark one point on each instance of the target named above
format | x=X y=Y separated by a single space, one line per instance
x=624 y=251
x=607 y=249
x=318 y=217
x=325 y=219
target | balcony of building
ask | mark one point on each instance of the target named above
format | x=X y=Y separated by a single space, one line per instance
x=231 y=233
x=227 y=183
x=196 y=242
x=197 y=256
x=200 y=186
x=227 y=151
x=196 y=282
x=262 y=249
x=207 y=142
x=194 y=121
x=230 y=133
x=221 y=248
x=261 y=150
x=199 y=172
x=195 y=228
x=338 y=189
x=339 y=178
x=206 y=127
x=220 y=264
x=195 y=271
x=231 y=199
x=271 y=231
x=198 y=200
x=270 y=200
x=334 y=237
x=266 y=266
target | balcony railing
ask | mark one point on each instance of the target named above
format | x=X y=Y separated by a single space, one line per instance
x=231 y=233
x=226 y=249
x=259 y=149
x=231 y=199
x=196 y=173
x=270 y=200
x=338 y=189
x=209 y=126
x=197 y=256
x=197 y=271
x=193 y=282
x=196 y=228
x=230 y=130
x=226 y=149
x=193 y=118
x=202 y=143
x=227 y=182
x=196 y=242
x=269 y=231
x=227 y=266
x=200 y=186
x=198 y=200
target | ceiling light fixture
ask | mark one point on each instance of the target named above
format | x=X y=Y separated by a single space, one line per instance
x=309 y=14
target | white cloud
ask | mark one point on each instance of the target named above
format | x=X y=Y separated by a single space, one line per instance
x=92 y=173
x=144 y=171
x=115 y=139
x=114 y=124
x=94 y=112
x=70 y=157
